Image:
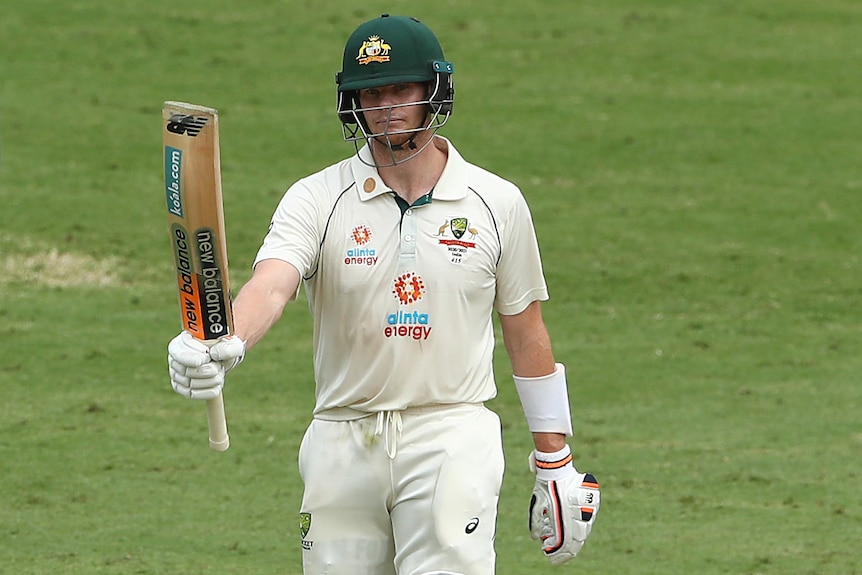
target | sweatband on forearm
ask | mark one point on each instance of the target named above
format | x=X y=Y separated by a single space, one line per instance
x=545 y=401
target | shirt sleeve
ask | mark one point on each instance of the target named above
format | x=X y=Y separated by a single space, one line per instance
x=520 y=279
x=294 y=234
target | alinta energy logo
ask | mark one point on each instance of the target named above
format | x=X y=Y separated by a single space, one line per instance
x=408 y=289
x=359 y=255
x=459 y=245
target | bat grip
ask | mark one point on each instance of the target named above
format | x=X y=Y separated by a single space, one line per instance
x=219 y=440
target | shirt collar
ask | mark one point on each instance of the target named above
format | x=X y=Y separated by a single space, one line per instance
x=452 y=184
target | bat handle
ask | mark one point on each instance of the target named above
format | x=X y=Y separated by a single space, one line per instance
x=219 y=440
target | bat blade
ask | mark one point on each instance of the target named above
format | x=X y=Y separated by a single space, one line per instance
x=196 y=219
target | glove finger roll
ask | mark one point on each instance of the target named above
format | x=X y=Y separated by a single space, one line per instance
x=204 y=371
x=207 y=382
x=178 y=378
x=188 y=351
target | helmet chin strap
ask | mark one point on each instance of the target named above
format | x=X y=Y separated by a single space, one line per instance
x=410 y=144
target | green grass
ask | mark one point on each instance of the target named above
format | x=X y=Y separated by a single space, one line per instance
x=693 y=171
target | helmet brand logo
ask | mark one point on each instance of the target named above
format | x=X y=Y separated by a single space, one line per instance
x=375 y=49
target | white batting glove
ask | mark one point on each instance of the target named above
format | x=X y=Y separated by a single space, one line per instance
x=564 y=505
x=197 y=371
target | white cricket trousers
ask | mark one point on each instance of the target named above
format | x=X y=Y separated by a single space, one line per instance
x=402 y=493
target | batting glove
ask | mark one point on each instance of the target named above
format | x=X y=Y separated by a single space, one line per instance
x=564 y=505
x=197 y=371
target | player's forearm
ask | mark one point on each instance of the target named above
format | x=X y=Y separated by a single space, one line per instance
x=261 y=301
x=254 y=312
x=527 y=342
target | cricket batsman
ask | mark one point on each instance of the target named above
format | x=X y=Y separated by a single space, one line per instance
x=407 y=251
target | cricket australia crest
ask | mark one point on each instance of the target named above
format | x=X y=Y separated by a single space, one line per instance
x=462 y=232
x=458 y=227
x=304 y=526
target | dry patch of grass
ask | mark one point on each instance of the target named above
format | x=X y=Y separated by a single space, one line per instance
x=43 y=265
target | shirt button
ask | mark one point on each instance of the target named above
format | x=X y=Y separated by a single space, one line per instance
x=408 y=211
x=408 y=238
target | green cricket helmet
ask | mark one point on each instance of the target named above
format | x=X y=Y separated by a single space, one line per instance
x=393 y=50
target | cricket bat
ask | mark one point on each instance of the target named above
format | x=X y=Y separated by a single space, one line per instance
x=196 y=220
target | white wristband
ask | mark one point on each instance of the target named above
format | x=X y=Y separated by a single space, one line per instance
x=546 y=402
x=552 y=466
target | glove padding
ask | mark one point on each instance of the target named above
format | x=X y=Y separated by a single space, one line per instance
x=197 y=370
x=564 y=505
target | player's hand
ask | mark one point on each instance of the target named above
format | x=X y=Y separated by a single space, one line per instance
x=197 y=371
x=564 y=505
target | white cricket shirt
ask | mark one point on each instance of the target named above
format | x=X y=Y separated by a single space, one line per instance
x=402 y=299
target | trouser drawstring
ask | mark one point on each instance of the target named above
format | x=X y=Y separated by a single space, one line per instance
x=389 y=426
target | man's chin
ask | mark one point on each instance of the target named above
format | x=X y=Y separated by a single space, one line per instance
x=395 y=140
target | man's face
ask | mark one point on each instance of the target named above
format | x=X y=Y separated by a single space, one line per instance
x=391 y=115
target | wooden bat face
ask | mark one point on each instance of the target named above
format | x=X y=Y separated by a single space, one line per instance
x=196 y=218
x=194 y=205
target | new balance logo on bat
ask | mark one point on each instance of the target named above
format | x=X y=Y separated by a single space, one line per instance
x=185 y=124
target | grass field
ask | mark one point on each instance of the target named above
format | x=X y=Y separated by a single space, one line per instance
x=694 y=173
